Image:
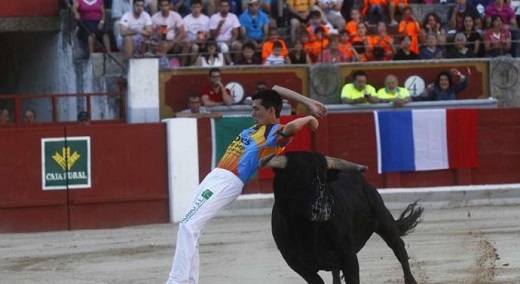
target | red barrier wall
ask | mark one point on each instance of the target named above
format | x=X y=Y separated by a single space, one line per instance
x=128 y=187
x=29 y=8
x=129 y=175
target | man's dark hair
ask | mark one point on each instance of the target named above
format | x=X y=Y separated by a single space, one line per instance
x=358 y=73
x=193 y=2
x=270 y=98
x=248 y=44
x=160 y=1
x=228 y=1
x=277 y=44
x=135 y=1
x=213 y=70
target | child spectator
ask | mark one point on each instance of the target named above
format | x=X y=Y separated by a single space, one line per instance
x=276 y=58
x=267 y=47
x=248 y=55
x=298 y=55
x=405 y=53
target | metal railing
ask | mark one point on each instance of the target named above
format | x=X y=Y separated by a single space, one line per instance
x=58 y=115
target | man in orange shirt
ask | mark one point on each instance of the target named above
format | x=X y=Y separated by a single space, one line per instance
x=314 y=47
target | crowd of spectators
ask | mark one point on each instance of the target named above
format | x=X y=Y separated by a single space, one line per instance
x=216 y=33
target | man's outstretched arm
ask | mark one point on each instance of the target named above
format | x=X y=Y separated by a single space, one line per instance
x=316 y=108
x=296 y=125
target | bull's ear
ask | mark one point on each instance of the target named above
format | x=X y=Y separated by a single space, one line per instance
x=339 y=164
x=273 y=162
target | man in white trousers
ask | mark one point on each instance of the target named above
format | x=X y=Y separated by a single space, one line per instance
x=241 y=159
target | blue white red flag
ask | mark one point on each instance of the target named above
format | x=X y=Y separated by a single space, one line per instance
x=426 y=139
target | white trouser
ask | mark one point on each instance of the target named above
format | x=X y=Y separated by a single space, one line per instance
x=216 y=191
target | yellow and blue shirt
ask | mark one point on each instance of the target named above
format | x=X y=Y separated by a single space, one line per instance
x=251 y=145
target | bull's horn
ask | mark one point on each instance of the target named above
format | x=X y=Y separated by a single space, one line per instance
x=278 y=162
x=339 y=164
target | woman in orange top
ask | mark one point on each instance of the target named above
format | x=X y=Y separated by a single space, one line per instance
x=409 y=26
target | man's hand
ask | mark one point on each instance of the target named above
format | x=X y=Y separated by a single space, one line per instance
x=317 y=109
x=313 y=124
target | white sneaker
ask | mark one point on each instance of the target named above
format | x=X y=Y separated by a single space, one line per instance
x=393 y=23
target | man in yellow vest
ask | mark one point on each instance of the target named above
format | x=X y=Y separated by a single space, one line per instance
x=392 y=93
x=358 y=92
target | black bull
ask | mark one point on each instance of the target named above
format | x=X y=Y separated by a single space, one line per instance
x=322 y=218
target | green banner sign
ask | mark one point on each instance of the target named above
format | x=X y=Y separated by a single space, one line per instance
x=66 y=163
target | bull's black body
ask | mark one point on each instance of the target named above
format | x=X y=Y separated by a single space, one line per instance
x=357 y=212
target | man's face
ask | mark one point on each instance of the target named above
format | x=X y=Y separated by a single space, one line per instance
x=194 y=104
x=4 y=116
x=273 y=35
x=253 y=7
x=196 y=9
x=248 y=53
x=138 y=7
x=214 y=78
x=28 y=116
x=360 y=82
x=224 y=8
x=165 y=7
x=391 y=83
x=277 y=51
x=260 y=114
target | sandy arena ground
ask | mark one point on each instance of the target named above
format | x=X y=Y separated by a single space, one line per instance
x=463 y=245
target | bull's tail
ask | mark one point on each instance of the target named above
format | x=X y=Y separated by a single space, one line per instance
x=409 y=218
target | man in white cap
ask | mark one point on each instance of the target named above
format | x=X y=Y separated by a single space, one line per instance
x=254 y=24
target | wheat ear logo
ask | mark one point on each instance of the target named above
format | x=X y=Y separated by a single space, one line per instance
x=65 y=159
x=66 y=163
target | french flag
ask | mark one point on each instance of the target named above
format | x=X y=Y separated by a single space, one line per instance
x=426 y=139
